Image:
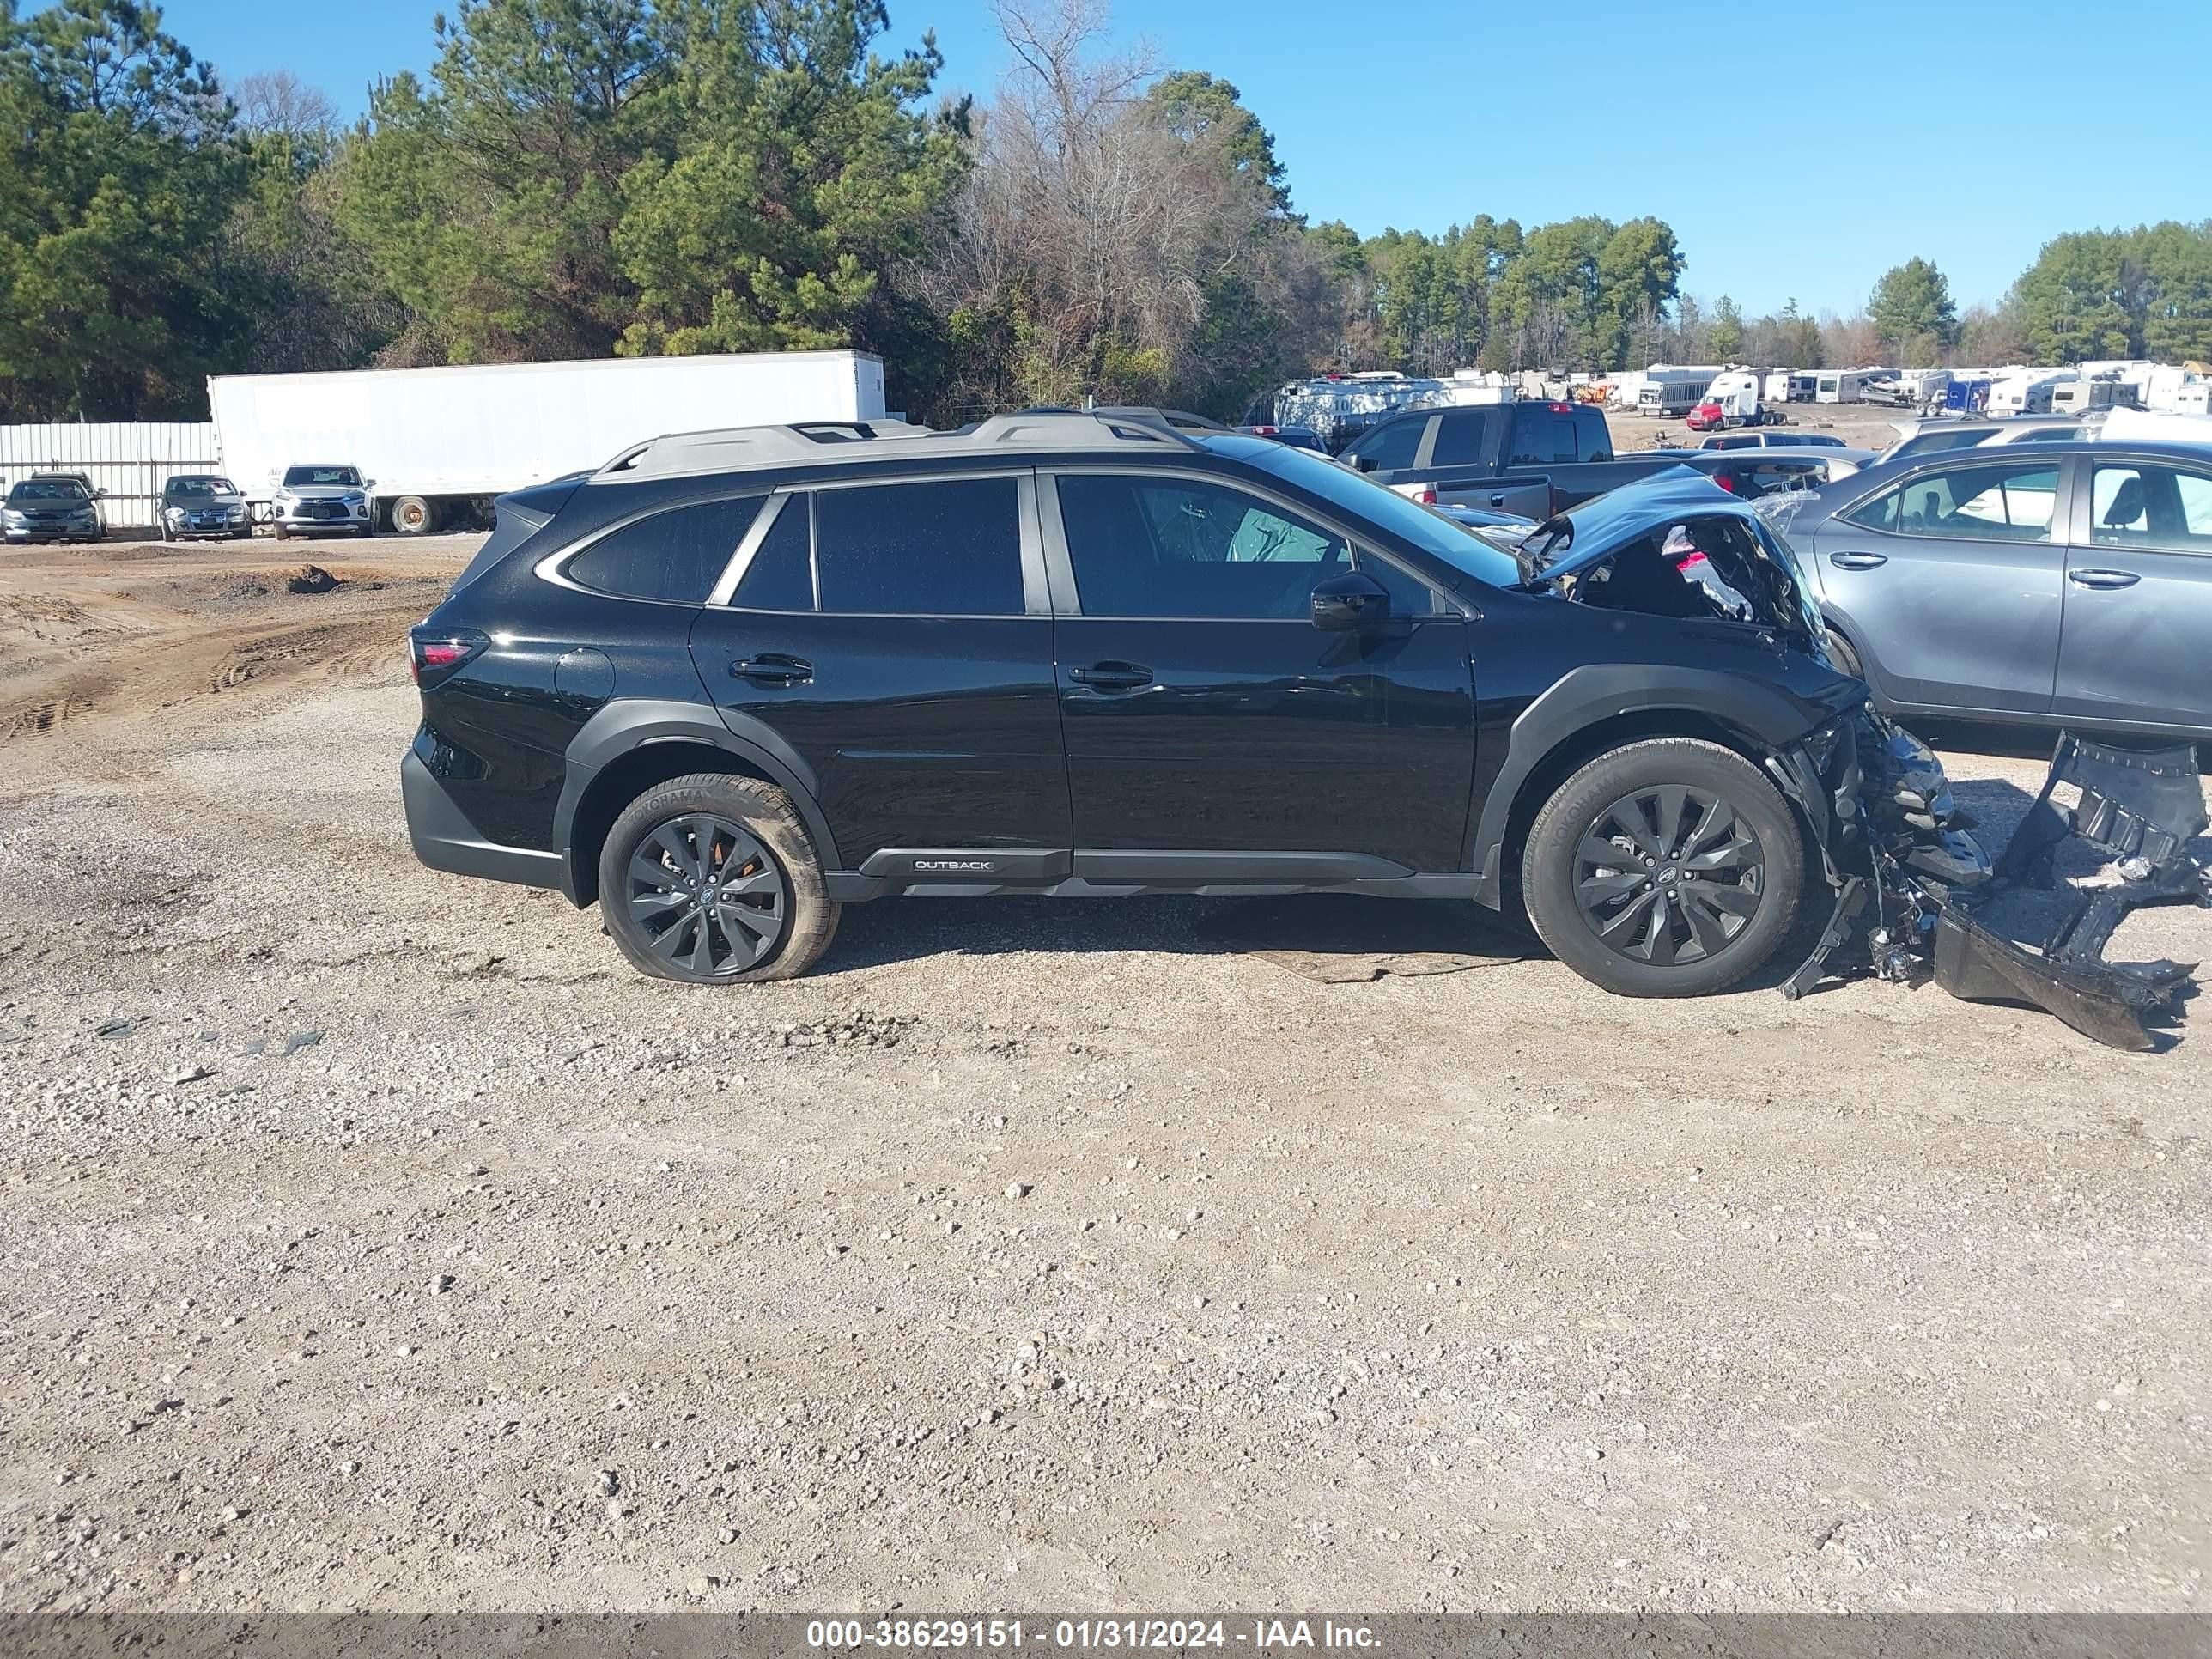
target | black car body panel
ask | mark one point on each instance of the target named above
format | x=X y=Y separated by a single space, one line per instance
x=1350 y=694
x=1259 y=736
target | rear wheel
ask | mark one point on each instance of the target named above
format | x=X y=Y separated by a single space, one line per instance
x=412 y=515
x=713 y=879
x=1666 y=868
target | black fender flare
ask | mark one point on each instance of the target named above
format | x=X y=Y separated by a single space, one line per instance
x=1585 y=696
x=628 y=724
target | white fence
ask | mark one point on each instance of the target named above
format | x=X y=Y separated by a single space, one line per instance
x=127 y=459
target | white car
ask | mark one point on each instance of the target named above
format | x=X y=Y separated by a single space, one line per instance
x=323 y=500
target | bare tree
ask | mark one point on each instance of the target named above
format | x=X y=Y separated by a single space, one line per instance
x=279 y=101
x=1089 y=230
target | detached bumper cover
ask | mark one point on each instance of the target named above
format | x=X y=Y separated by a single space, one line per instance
x=1894 y=842
x=1929 y=884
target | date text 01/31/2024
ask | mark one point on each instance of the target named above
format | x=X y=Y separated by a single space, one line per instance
x=1141 y=1633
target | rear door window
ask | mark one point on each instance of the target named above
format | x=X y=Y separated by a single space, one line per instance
x=780 y=575
x=940 y=549
x=2136 y=505
x=1993 y=503
x=1461 y=438
x=675 y=556
x=1541 y=436
x=1392 y=446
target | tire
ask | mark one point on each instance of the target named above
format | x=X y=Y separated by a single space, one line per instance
x=279 y=531
x=411 y=515
x=1744 y=885
x=755 y=832
x=165 y=535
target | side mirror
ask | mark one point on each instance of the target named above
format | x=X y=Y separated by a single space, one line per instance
x=1364 y=462
x=1349 y=601
x=369 y=484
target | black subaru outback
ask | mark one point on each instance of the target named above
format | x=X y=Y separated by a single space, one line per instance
x=734 y=680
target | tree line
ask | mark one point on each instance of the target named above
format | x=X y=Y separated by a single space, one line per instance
x=588 y=178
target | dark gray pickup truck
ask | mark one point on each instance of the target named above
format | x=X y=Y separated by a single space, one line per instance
x=1534 y=459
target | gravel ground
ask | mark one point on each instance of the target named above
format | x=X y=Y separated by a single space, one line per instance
x=375 y=1240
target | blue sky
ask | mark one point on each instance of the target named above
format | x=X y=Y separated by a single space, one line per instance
x=1796 y=151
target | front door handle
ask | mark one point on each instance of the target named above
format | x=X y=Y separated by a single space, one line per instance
x=2102 y=578
x=773 y=668
x=1112 y=675
x=1857 y=561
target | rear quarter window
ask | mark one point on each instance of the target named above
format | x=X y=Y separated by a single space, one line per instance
x=675 y=556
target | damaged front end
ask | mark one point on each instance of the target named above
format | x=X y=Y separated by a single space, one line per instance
x=1908 y=872
x=1915 y=895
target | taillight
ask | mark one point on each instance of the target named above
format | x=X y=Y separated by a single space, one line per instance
x=1425 y=496
x=1725 y=482
x=1563 y=409
x=435 y=652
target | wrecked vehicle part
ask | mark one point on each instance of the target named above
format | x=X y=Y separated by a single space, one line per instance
x=2101 y=1000
x=2139 y=806
x=1932 y=882
x=1910 y=883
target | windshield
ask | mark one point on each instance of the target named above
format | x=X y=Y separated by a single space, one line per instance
x=47 y=489
x=1364 y=498
x=201 y=487
x=294 y=476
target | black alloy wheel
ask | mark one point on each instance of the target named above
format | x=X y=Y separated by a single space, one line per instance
x=709 y=899
x=1668 y=867
x=1669 y=874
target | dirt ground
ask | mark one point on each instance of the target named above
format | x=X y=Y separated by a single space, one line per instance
x=374 y=1239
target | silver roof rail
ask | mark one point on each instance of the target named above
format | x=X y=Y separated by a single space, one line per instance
x=1071 y=428
x=736 y=449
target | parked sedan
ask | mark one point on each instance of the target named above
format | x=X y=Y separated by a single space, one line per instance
x=1766 y=440
x=49 y=509
x=2064 y=582
x=200 y=504
x=1930 y=437
x=1756 y=473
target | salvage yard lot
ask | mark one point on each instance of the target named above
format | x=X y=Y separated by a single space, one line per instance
x=375 y=1239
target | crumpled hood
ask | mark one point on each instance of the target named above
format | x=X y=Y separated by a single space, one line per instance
x=1583 y=535
x=1752 y=571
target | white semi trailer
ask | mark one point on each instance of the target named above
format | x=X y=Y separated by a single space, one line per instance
x=436 y=445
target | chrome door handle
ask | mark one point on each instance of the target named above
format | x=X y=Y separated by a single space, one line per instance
x=2103 y=578
x=1857 y=561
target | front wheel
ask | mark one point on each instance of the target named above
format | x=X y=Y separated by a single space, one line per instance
x=1666 y=868
x=713 y=880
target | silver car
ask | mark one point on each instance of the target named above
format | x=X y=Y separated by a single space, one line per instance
x=1928 y=437
x=2048 y=583
x=323 y=500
